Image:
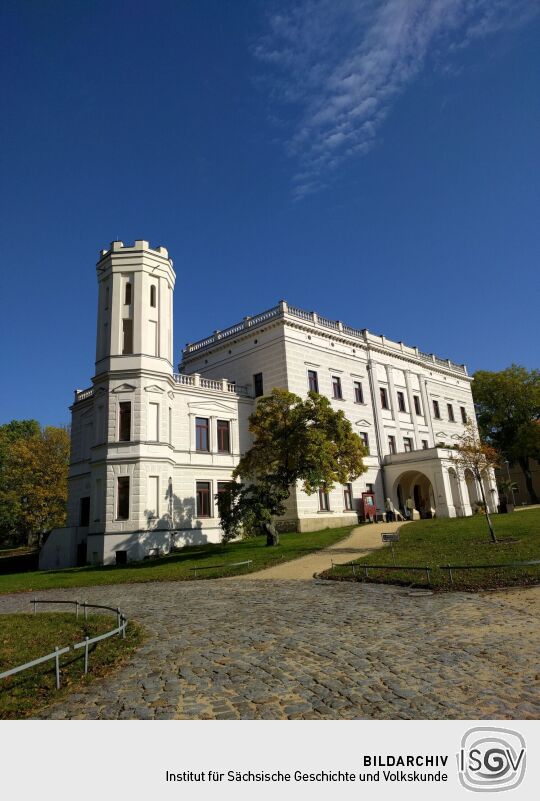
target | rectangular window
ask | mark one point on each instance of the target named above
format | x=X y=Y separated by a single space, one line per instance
x=336 y=387
x=153 y=296
x=370 y=488
x=365 y=439
x=407 y=444
x=464 y=418
x=436 y=410
x=358 y=392
x=391 y=444
x=401 y=402
x=313 y=381
x=127 y=336
x=223 y=486
x=84 y=511
x=450 y=409
x=122 y=498
x=203 y=499
x=324 y=500
x=124 y=423
x=384 y=398
x=152 y=434
x=128 y=294
x=417 y=407
x=152 y=504
x=202 y=440
x=425 y=444
x=258 y=384
x=223 y=436
x=347 y=497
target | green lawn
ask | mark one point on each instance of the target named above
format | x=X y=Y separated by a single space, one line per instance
x=180 y=566
x=462 y=541
x=27 y=637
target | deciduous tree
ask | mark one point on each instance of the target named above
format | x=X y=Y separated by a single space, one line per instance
x=295 y=441
x=508 y=411
x=478 y=457
x=33 y=479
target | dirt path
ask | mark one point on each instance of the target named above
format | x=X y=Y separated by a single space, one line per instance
x=362 y=540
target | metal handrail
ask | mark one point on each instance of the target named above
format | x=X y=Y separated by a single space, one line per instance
x=486 y=567
x=120 y=629
x=366 y=568
x=231 y=564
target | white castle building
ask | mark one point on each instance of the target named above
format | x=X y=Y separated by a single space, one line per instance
x=151 y=448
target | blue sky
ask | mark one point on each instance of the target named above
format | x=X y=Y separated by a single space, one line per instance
x=375 y=161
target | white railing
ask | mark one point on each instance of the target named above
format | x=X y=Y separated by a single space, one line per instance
x=211 y=383
x=335 y=325
x=120 y=629
x=214 y=384
x=83 y=394
x=187 y=380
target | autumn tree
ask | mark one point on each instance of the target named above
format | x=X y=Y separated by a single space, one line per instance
x=294 y=441
x=33 y=480
x=508 y=412
x=478 y=457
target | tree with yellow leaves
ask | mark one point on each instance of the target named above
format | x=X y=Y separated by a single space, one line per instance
x=33 y=480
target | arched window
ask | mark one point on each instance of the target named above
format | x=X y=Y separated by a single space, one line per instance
x=153 y=295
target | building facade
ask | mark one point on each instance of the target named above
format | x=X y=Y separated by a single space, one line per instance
x=152 y=448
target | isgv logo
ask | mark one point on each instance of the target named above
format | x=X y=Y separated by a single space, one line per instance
x=491 y=759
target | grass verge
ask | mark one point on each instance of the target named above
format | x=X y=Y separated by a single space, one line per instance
x=180 y=565
x=24 y=637
x=461 y=541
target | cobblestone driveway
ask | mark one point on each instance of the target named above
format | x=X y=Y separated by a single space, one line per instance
x=290 y=649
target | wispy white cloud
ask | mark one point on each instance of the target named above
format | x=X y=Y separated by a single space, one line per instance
x=340 y=64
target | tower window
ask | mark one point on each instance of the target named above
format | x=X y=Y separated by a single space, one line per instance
x=128 y=294
x=127 y=335
x=124 y=425
x=107 y=294
x=122 y=499
x=153 y=296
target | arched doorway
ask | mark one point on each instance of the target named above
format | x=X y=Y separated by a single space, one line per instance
x=417 y=487
x=456 y=497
